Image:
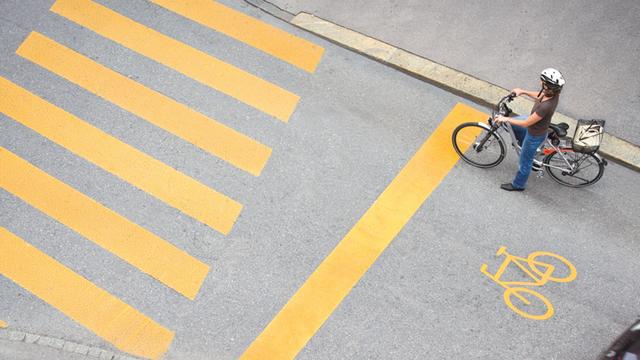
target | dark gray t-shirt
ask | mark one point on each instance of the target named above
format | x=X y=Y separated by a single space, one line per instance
x=545 y=110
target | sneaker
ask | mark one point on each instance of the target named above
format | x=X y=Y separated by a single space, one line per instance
x=509 y=187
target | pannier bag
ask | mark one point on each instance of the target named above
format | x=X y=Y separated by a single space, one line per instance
x=588 y=135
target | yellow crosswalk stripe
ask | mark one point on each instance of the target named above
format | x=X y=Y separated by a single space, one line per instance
x=76 y=297
x=341 y=270
x=132 y=243
x=194 y=63
x=141 y=170
x=273 y=41
x=160 y=110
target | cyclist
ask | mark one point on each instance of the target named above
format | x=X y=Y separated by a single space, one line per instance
x=531 y=130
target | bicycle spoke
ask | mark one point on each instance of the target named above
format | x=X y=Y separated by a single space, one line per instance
x=585 y=181
x=591 y=163
x=584 y=169
x=477 y=145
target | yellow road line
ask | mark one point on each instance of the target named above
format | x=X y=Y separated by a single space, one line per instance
x=137 y=246
x=273 y=41
x=3 y=324
x=323 y=291
x=194 y=63
x=219 y=140
x=141 y=170
x=92 y=307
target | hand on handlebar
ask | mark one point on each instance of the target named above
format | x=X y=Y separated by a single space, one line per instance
x=517 y=91
x=499 y=119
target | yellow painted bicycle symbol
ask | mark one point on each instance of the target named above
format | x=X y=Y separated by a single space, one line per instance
x=540 y=272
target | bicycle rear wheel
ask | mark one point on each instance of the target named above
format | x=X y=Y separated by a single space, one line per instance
x=579 y=170
x=478 y=146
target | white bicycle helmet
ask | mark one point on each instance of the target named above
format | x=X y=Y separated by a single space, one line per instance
x=552 y=78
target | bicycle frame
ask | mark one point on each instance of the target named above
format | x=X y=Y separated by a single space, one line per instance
x=537 y=280
x=546 y=145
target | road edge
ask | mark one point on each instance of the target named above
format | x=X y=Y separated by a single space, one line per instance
x=61 y=344
x=479 y=91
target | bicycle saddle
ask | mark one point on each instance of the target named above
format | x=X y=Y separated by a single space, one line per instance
x=559 y=129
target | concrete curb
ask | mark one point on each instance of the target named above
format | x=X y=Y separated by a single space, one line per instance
x=271 y=9
x=457 y=82
x=62 y=345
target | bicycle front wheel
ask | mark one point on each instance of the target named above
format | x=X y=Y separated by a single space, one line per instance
x=573 y=169
x=569 y=275
x=478 y=146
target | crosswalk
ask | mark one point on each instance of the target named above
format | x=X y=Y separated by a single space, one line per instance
x=81 y=300
x=269 y=39
x=139 y=169
x=91 y=306
x=158 y=109
x=194 y=63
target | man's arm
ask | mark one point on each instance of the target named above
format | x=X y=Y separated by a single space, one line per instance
x=532 y=119
x=531 y=94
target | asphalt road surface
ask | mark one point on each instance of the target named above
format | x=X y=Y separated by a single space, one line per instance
x=80 y=219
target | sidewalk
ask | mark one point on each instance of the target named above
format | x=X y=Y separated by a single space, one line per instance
x=14 y=350
x=19 y=345
x=624 y=152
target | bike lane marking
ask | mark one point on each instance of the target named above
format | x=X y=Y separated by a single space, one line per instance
x=224 y=77
x=137 y=168
x=211 y=136
x=267 y=38
x=106 y=228
x=537 y=277
x=76 y=297
x=340 y=271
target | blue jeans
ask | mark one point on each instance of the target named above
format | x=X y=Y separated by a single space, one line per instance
x=529 y=144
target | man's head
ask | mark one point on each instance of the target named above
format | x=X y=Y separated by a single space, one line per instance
x=552 y=81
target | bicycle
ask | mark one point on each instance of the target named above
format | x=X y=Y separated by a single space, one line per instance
x=476 y=141
x=533 y=270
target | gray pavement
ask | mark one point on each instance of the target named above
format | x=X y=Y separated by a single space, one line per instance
x=13 y=350
x=595 y=44
x=357 y=124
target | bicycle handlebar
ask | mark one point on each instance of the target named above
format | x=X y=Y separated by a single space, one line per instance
x=502 y=107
